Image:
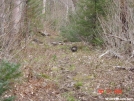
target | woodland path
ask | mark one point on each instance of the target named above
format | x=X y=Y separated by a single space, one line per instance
x=54 y=73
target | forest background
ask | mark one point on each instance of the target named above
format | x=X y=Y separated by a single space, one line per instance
x=103 y=26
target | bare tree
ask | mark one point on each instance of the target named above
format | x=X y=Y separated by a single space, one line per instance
x=2 y=16
x=11 y=23
x=44 y=7
x=16 y=15
x=74 y=2
x=16 y=21
x=118 y=28
x=69 y=4
x=123 y=15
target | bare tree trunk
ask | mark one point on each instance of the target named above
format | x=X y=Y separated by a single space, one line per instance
x=67 y=7
x=16 y=16
x=73 y=5
x=68 y=4
x=44 y=7
x=2 y=17
x=74 y=2
x=123 y=15
x=43 y=12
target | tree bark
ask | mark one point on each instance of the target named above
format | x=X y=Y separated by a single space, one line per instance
x=123 y=15
x=44 y=7
x=2 y=17
x=16 y=16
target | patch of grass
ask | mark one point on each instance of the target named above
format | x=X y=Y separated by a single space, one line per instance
x=113 y=84
x=79 y=77
x=37 y=59
x=55 y=69
x=85 y=48
x=78 y=84
x=9 y=98
x=98 y=65
x=64 y=47
x=91 y=76
x=54 y=57
x=45 y=76
x=69 y=97
x=57 y=79
x=72 y=68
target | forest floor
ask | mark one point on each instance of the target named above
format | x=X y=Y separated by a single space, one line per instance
x=54 y=73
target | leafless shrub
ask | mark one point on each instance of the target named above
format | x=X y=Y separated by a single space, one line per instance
x=118 y=32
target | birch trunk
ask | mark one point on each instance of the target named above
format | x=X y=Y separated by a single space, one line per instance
x=2 y=17
x=44 y=7
x=16 y=16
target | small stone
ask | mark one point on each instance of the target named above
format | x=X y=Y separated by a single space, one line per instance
x=119 y=68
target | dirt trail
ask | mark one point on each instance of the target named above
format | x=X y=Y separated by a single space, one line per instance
x=53 y=73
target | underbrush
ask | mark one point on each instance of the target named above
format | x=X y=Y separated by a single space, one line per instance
x=8 y=74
